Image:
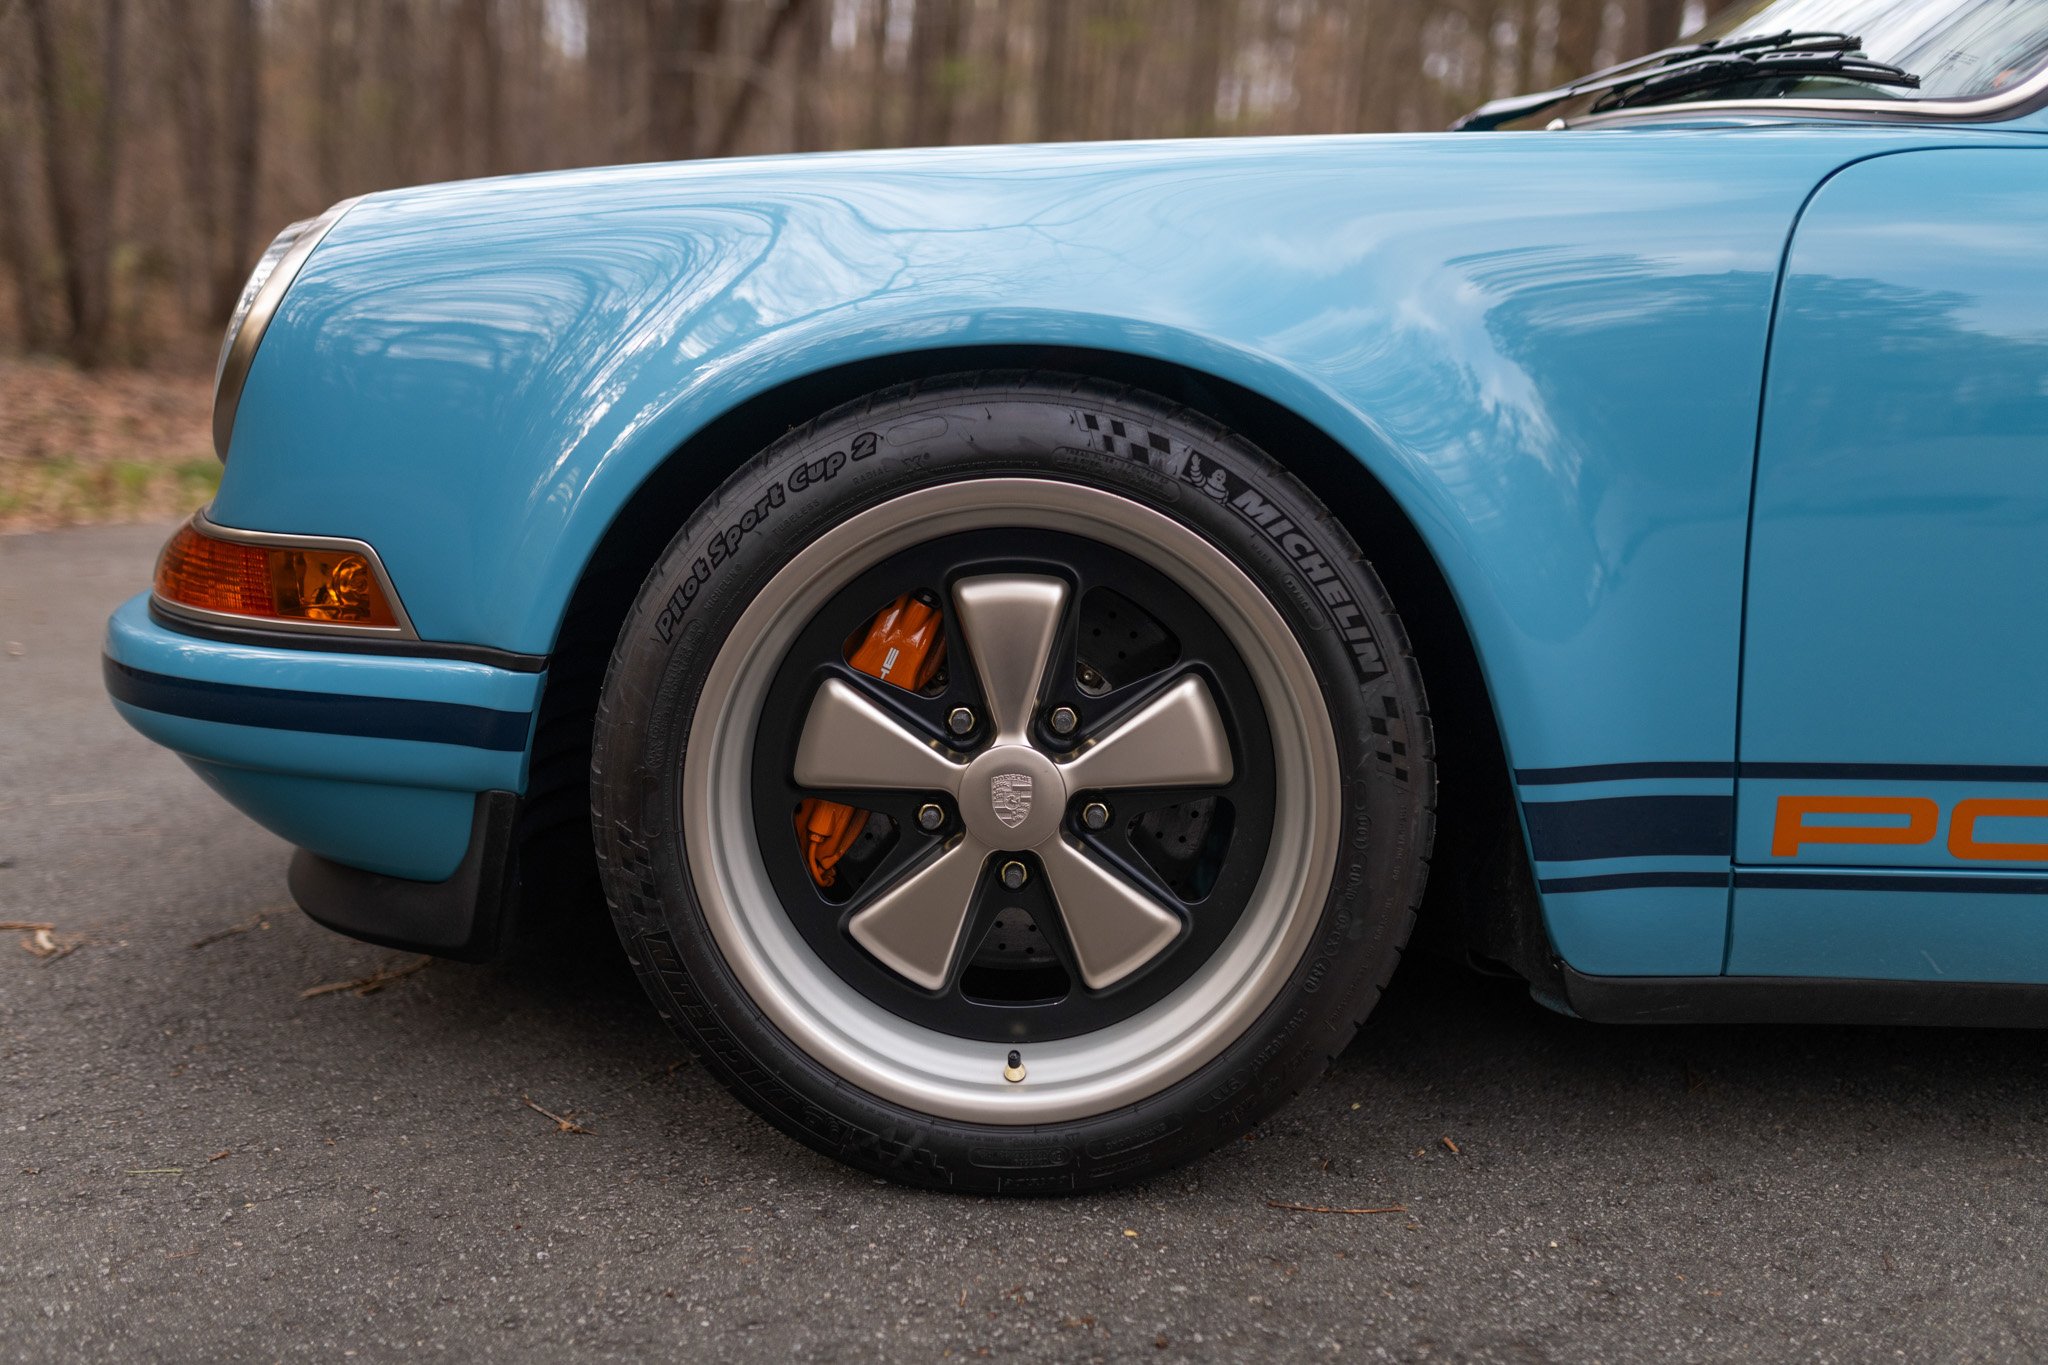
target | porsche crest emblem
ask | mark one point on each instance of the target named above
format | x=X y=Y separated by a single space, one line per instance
x=1010 y=794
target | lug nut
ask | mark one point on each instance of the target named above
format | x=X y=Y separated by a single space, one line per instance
x=1014 y=874
x=1064 y=720
x=930 y=817
x=960 y=720
x=1095 y=815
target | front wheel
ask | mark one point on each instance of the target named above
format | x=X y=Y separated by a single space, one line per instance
x=1013 y=784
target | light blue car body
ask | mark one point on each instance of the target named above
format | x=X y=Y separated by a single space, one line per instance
x=1729 y=439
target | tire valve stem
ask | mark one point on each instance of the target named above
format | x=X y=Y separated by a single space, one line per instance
x=1014 y=1072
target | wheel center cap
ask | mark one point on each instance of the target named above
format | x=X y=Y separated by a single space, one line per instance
x=1013 y=797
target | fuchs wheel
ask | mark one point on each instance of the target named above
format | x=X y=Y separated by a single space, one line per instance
x=1011 y=783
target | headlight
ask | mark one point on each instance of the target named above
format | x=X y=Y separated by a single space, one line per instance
x=266 y=288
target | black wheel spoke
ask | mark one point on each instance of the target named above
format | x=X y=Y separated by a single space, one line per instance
x=1115 y=847
x=1033 y=899
x=900 y=861
x=990 y=899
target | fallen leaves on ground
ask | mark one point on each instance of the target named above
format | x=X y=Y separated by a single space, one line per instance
x=367 y=985
x=112 y=445
x=43 y=941
x=563 y=1123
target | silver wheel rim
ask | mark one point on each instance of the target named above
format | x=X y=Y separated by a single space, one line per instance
x=956 y=1078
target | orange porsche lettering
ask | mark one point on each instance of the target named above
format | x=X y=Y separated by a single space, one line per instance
x=1792 y=831
x=1904 y=821
x=1962 y=829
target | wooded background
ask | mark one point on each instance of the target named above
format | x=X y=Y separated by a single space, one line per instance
x=149 y=148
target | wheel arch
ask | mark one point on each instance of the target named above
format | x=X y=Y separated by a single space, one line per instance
x=1481 y=903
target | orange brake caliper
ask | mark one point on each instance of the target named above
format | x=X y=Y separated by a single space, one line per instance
x=905 y=646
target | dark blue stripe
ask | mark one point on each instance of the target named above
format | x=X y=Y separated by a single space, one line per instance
x=1619 y=772
x=1945 y=884
x=1631 y=881
x=1900 y=772
x=1631 y=827
x=271 y=708
x=1848 y=772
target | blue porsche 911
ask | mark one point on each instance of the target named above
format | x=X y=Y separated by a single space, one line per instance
x=1011 y=630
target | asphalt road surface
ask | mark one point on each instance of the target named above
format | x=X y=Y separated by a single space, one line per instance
x=202 y=1161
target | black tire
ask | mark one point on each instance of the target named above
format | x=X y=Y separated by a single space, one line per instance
x=1049 y=427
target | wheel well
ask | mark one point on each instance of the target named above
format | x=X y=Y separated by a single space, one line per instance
x=1481 y=901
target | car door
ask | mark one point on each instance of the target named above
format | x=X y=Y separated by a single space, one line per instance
x=1892 y=802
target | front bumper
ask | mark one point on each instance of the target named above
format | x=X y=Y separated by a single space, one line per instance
x=368 y=762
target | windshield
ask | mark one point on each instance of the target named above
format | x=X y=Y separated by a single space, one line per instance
x=1906 y=51
x=1960 y=49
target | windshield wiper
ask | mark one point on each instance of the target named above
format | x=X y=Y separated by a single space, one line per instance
x=1687 y=69
x=1707 y=73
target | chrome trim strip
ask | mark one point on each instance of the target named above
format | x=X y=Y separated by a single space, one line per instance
x=206 y=526
x=234 y=367
x=1943 y=110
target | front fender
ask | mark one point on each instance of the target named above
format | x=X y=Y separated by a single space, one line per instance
x=1548 y=351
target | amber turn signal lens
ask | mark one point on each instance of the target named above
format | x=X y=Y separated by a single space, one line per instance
x=270 y=582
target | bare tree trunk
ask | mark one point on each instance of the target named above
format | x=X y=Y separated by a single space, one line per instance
x=1656 y=24
x=1212 y=29
x=878 y=77
x=327 y=60
x=1578 y=39
x=609 y=105
x=80 y=214
x=743 y=100
x=995 y=117
x=1361 y=31
x=491 y=77
x=1526 y=21
x=1055 y=114
x=475 y=122
x=29 y=324
x=1117 y=83
x=811 y=116
x=17 y=235
x=706 y=42
x=396 y=87
x=454 y=86
x=105 y=169
x=244 y=77
x=195 y=118
x=682 y=35
x=1396 y=57
x=935 y=39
